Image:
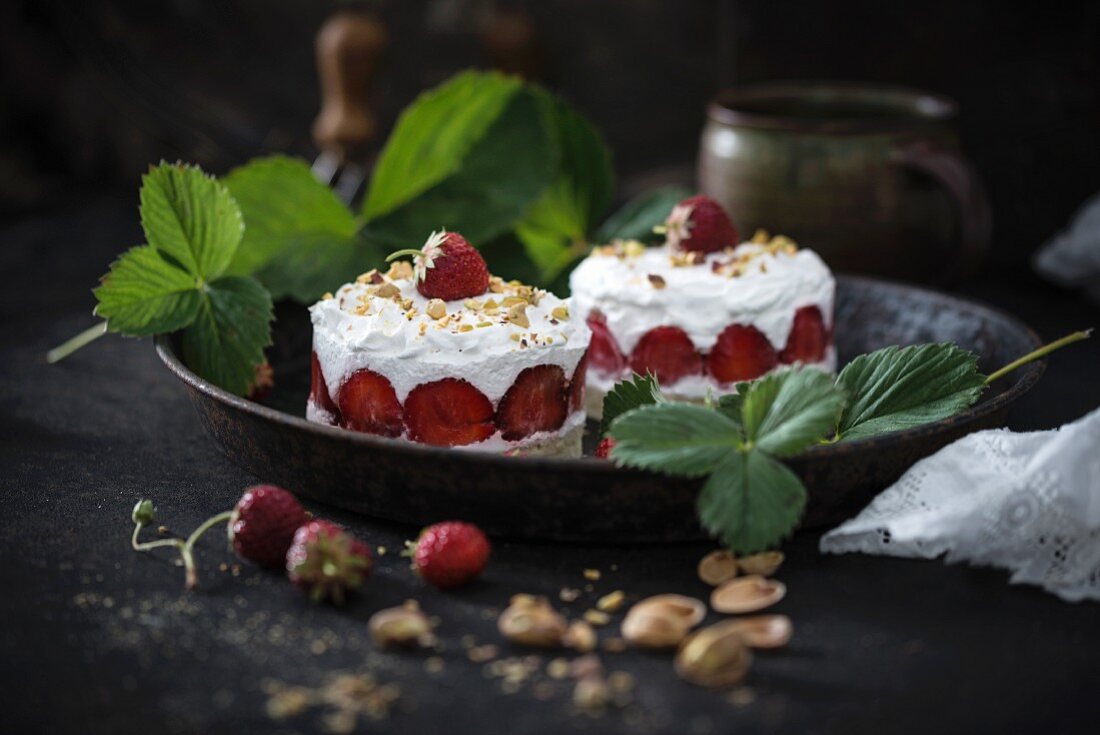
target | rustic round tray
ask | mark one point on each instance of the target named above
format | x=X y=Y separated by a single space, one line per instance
x=590 y=499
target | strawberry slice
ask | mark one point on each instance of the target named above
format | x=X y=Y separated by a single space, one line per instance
x=536 y=402
x=318 y=391
x=576 y=384
x=741 y=353
x=604 y=351
x=368 y=403
x=808 y=339
x=668 y=353
x=448 y=413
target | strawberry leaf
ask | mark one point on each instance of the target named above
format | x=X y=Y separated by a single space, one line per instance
x=287 y=211
x=144 y=294
x=785 y=412
x=892 y=389
x=751 y=501
x=191 y=218
x=636 y=219
x=555 y=229
x=626 y=395
x=675 y=438
x=226 y=341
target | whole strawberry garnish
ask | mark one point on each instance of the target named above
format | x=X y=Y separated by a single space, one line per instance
x=449 y=554
x=448 y=267
x=263 y=524
x=699 y=224
x=603 y=449
x=326 y=561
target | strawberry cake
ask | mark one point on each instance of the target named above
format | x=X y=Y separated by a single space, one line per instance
x=703 y=311
x=441 y=352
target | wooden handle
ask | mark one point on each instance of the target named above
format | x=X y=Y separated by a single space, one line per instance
x=349 y=46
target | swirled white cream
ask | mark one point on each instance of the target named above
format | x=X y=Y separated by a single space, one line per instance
x=761 y=284
x=397 y=338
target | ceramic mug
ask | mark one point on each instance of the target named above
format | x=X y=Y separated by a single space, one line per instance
x=871 y=177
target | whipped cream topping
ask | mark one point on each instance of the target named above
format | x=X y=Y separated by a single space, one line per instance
x=757 y=283
x=382 y=323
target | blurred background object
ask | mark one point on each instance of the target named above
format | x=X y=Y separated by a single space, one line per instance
x=93 y=91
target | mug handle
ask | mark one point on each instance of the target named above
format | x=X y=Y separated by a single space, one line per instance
x=961 y=181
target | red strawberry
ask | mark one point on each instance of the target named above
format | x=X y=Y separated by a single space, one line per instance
x=536 y=402
x=448 y=413
x=606 y=356
x=668 y=353
x=448 y=267
x=450 y=554
x=318 y=391
x=603 y=449
x=368 y=403
x=808 y=339
x=576 y=384
x=326 y=561
x=263 y=524
x=741 y=353
x=700 y=224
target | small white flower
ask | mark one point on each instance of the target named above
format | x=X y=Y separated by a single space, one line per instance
x=433 y=248
x=678 y=225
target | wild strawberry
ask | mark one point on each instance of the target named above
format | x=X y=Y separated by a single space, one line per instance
x=603 y=449
x=318 y=391
x=808 y=339
x=604 y=351
x=368 y=403
x=535 y=402
x=326 y=561
x=448 y=413
x=741 y=353
x=449 y=554
x=263 y=524
x=668 y=353
x=699 y=224
x=577 y=383
x=448 y=267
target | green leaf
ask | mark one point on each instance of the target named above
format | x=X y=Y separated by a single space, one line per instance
x=145 y=294
x=730 y=404
x=626 y=395
x=313 y=263
x=226 y=341
x=785 y=412
x=499 y=178
x=285 y=209
x=892 y=389
x=675 y=438
x=751 y=501
x=637 y=218
x=191 y=218
x=555 y=230
x=433 y=139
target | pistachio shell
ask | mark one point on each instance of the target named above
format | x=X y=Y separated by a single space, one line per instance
x=686 y=608
x=715 y=656
x=747 y=594
x=765 y=563
x=532 y=622
x=401 y=626
x=764 y=631
x=662 y=621
x=717 y=567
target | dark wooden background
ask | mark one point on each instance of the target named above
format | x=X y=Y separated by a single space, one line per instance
x=94 y=90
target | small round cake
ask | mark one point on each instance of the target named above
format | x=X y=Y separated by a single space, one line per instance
x=704 y=315
x=494 y=365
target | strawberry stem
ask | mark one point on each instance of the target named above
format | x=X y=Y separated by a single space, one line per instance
x=1041 y=352
x=413 y=252
x=89 y=335
x=186 y=547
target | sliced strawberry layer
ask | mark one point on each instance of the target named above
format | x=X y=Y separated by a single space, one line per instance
x=741 y=353
x=368 y=403
x=448 y=413
x=808 y=340
x=603 y=350
x=668 y=353
x=576 y=384
x=318 y=391
x=537 y=401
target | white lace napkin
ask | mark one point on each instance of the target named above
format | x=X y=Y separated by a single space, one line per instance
x=1029 y=503
x=1072 y=257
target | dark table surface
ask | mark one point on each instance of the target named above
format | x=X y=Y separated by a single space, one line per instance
x=98 y=638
